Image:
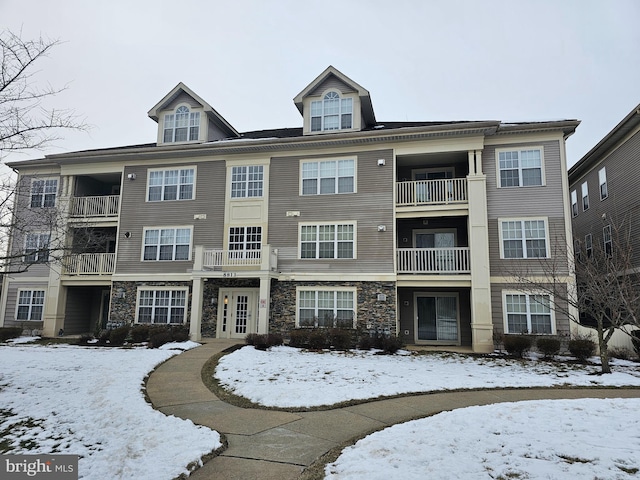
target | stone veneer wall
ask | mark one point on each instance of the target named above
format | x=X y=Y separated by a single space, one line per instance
x=124 y=309
x=370 y=312
x=210 y=300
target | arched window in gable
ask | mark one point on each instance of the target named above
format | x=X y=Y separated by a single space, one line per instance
x=183 y=126
x=333 y=112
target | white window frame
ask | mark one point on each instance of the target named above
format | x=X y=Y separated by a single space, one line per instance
x=574 y=203
x=249 y=238
x=607 y=240
x=320 y=111
x=519 y=167
x=40 y=253
x=30 y=305
x=523 y=238
x=307 y=173
x=247 y=181
x=326 y=291
x=602 y=181
x=49 y=188
x=159 y=243
x=584 y=188
x=336 y=241
x=588 y=245
x=180 y=184
x=528 y=312
x=190 y=120
x=156 y=306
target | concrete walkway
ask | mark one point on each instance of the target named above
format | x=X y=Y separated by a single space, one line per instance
x=266 y=444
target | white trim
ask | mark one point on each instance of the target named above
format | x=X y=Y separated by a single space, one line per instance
x=246 y=182
x=28 y=289
x=303 y=161
x=38 y=255
x=322 y=224
x=167 y=169
x=520 y=149
x=523 y=219
x=527 y=293
x=305 y=288
x=44 y=179
x=167 y=227
x=156 y=288
x=602 y=175
x=202 y=121
x=584 y=190
x=574 y=202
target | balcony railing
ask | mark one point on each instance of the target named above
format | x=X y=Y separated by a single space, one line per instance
x=453 y=260
x=99 y=206
x=263 y=259
x=431 y=192
x=90 y=264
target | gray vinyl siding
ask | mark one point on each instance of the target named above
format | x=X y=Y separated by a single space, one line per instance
x=136 y=214
x=182 y=98
x=12 y=301
x=557 y=248
x=562 y=321
x=622 y=206
x=332 y=82
x=371 y=206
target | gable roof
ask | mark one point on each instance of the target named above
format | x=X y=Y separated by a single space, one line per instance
x=212 y=114
x=363 y=93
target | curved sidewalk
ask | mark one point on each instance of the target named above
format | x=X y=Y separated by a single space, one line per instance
x=267 y=444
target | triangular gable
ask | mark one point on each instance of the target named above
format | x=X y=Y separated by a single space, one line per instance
x=182 y=92
x=335 y=78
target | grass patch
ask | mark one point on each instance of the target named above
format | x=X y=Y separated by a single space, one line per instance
x=569 y=459
x=11 y=433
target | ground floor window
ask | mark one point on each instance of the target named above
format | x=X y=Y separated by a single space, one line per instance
x=162 y=306
x=326 y=308
x=528 y=313
x=30 y=305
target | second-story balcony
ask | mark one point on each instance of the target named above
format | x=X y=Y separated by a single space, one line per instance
x=431 y=192
x=103 y=206
x=437 y=261
x=264 y=259
x=90 y=264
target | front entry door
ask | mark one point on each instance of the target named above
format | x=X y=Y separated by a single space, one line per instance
x=237 y=312
x=437 y=318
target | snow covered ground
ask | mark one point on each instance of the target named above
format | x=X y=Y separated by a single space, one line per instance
x=89 y=402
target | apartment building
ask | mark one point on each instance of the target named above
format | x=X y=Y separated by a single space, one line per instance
x=415 y=228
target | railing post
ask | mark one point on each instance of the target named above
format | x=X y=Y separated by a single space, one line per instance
x=198 y=258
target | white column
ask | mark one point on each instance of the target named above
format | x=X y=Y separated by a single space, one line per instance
x=196 y=309
x=263 y=304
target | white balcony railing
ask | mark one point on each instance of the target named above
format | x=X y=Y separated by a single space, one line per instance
x=90 y=264
x=100 y=206
x=431 y=192
x=453 y=260
x=263 y=259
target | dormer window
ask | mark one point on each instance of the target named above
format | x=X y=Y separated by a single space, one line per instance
x=183 y=126
x=331 y=113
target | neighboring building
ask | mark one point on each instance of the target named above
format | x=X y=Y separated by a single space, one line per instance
x=408 y=227
x=605 y=194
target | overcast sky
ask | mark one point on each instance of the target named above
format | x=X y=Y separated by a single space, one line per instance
x=516 y=60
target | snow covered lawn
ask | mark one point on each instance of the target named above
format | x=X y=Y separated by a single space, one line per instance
x=289 y=377
x=89 y=402
x=552 y=439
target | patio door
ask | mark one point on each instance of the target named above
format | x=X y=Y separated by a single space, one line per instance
x=237 y=312
x=437 y=318
x=442 y=261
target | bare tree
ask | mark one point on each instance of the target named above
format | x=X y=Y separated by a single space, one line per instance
x=24 y=122
x=607 y=293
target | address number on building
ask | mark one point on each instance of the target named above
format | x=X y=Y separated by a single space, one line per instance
x=229 y=274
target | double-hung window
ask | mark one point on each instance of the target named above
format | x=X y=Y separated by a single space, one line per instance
x=328 y=177
x=602 y=180
x=170 y=184
x=333 y=240
x=588 y=245
x=520 y=168
x=524 y=238
x=167 y=243
x=326 y=308
x=606 y=239
x=574 y=203
x=528 y=313
x=245 y=242
x=43 y=192
x=333 y=112
x=183 y=126
x=585 y=196
x=30 y=305
x=246 y=181
x=36 y=248
x=162 y=306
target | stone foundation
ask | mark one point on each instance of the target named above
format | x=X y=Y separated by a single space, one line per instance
x=210 y=300
x=123 y=307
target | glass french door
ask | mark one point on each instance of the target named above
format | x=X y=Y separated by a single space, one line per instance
x=437 y=318
x=237 y=313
